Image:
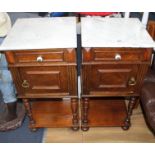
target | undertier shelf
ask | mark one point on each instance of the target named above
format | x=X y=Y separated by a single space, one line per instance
x=52 y=113
x=106 y=112
x=102 y=112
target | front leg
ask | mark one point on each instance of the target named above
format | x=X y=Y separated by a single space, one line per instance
x=29 y=113
x=75 y=120
x=85 y=108
x=131 y=106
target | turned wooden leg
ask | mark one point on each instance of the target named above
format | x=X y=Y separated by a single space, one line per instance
x=85 y=108
x=75 y=120
x=29 y=113
x=137 y=103
x=131 y=106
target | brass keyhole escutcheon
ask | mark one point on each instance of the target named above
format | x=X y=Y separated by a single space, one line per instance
x=132 y=81
x=25 y=84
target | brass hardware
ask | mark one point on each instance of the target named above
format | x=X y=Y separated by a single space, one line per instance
x=132 y=81
x=131 y=92
x=25 y=84
x=118 y=57
x=39 y=58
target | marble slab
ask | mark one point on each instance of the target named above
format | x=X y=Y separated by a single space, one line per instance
x=41 y=33
x=114 y=32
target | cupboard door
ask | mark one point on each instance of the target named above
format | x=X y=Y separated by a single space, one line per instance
x=110 y=79
x=45 y=80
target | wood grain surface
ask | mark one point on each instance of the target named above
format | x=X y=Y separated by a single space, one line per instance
x=138 y=133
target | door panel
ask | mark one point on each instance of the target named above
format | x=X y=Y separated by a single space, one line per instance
x=112 y=78
x=44 y=80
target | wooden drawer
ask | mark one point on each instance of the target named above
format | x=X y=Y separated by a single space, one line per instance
x=41 y=56
x=115 y=54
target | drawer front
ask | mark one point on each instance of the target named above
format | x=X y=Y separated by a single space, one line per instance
x=115 y=54
x=45 y=81
x=110 y=79
x=41 y=56
x=26 y=57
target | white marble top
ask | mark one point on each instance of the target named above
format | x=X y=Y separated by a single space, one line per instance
x=114 y=32
x=41 y=33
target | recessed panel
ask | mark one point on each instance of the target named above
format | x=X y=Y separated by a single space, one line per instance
x=109 y=78
x=112 y=78
x=46 y=80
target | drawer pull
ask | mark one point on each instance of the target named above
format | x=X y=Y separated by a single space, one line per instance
x=118 y=57
x=132 y=81
x=39 y=59
x=25 y=84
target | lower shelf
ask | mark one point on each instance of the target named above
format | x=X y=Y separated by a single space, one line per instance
x=102 y=112
x=52 y=113
x=106 y=113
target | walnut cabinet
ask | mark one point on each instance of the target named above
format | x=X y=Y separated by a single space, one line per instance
x=47 y=74
x=109 y=76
